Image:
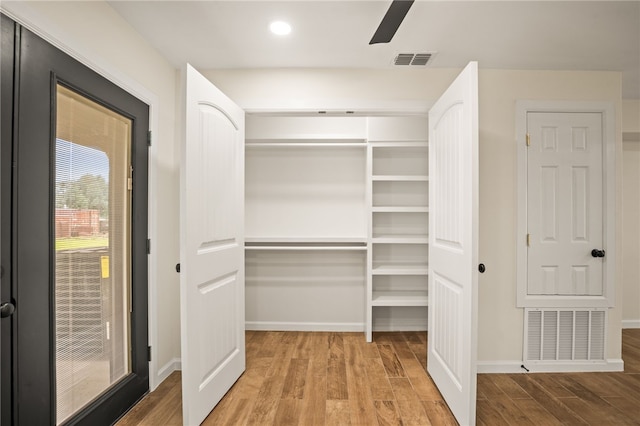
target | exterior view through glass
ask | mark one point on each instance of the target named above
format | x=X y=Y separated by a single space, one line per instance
x=92 y=250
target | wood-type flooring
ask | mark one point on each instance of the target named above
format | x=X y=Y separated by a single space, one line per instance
x=322 y=378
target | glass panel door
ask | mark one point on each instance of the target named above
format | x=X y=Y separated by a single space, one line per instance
x=92 y=223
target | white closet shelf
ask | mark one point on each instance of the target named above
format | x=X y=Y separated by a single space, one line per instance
x=323 y=240
x=397 y=268
x=400 y=178
x=309 y=244
x=397 y=209
x=336 y=143
x=400 y=298
x=400 y=239
x=316 y=247
x=304 y=279
x=398 y=144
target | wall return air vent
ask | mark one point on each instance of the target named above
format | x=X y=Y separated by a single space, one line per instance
x=414 y=59
x=565 y=335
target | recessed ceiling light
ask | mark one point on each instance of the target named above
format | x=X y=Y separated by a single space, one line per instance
x=280 y=28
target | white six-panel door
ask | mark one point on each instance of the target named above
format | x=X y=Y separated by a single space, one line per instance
x=453 y=244
x=211 y=247
x=564 y=199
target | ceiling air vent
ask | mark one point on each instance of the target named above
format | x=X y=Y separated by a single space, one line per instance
x=417 y=59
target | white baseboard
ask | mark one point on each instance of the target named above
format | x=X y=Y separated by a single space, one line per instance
x=631 y=323
x=574 y=366
x=174 y=365
x=511 y=367
x=496 y=367
x=303 y=326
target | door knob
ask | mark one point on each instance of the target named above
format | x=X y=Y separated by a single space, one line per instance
x=597 y=253
x=7 y=309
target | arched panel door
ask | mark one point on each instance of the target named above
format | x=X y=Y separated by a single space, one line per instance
x=453 y=244
x=212 y=247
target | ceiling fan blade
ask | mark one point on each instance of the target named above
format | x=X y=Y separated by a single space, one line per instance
x=391 y=21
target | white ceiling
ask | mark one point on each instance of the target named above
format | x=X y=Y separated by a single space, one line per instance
x=554 y=35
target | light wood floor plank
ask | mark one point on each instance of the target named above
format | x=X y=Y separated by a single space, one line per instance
x=338 y=413
x=424 y=387
x=314 y=405
x=590 y=404
x=380 y=386
x=304 y=346
x=161 y=413
x=488 y=387
x=536 y=412
x=318 y=362
x=387 y=413
x=248 y=385
x=236 y=412
x=337 y=379
x=413 y=413
x=508 y=386
x=264 y=410
x=597 y=413
x=510 y=411
x=280 y=360
x=402 y=349
x=294 y=382
x=270 y=344
x=360 y=400
x=488 y=415
x=288 y=412
x=438 y=413
x=290 y=337
x=336 y=346
x=391 y=361
x=411 y=409
x=550 y=383
x=552 y=404
x=626 y=405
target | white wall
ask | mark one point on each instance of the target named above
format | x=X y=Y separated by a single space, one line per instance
x=94 y=33
x=105 y=41
x=500 y=322
x=630 y=211
x=499 y=91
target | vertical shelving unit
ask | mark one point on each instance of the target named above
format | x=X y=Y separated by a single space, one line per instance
x=397 y=260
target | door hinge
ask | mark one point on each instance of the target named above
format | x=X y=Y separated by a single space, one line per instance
x=129 y=184
x=528 y=138
x=149 y=138
x=528 y=240
x=148 y=353
x=148 y=246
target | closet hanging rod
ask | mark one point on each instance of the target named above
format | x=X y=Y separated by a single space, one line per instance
x=308 y=245
x=305 y=248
